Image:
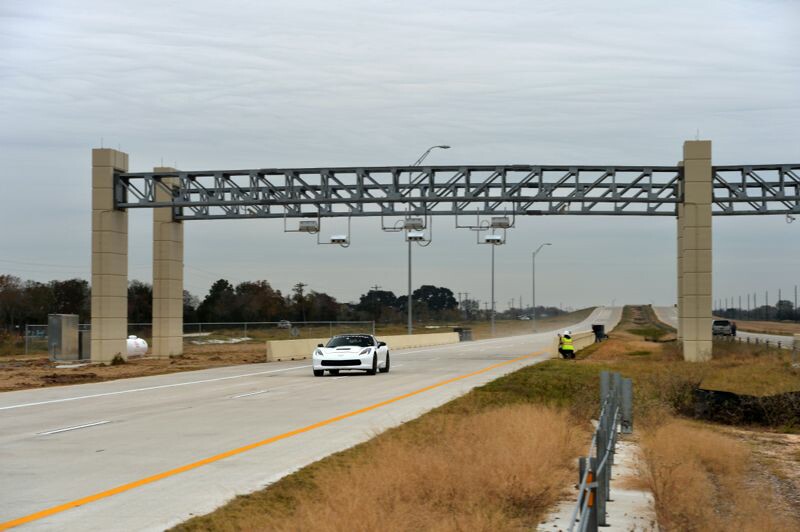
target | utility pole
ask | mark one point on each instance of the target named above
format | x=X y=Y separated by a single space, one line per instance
x=409 y=302
x=533 y=281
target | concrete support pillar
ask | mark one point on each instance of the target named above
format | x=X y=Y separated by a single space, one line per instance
x=680 y=271
x=694 y=239
x=167 y=276
x=109 y=259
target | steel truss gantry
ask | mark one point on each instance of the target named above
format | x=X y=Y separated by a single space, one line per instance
x=456 y=190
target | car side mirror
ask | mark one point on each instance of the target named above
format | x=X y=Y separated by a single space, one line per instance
x=381 y=344
x=320 y=345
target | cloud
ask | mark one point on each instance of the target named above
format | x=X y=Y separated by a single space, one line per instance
x=316 y=83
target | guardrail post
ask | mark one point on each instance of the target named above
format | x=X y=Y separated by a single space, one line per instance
x=599 y=475
x=605 y=385
x=582 y=465
x=627 y=406
x=590 y=492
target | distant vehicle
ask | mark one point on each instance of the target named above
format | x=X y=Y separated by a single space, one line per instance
x=723 y=328
x=351 y=352
x=523 y=317
x=284 y=324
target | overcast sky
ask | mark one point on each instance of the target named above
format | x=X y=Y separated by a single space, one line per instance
x=214 y=85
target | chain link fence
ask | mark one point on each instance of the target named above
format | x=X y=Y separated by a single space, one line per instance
x=222 y=332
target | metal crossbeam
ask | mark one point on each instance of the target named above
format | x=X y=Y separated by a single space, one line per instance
x=757 y=189
x=456 y=190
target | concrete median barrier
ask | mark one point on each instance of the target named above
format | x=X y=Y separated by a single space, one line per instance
x=278 y=350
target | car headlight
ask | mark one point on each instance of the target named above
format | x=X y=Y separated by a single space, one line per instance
x=318 y=353
x=365 y=351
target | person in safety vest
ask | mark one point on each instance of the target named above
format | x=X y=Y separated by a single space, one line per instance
x=565 y=347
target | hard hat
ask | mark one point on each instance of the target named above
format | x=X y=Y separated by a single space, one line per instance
x=567 y=332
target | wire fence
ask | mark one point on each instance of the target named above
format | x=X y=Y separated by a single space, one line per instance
x=594 y=491
x=789 y=343
x=746 y=306
x=36 y=336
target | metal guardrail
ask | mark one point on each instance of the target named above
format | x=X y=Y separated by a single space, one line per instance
x=616 y=413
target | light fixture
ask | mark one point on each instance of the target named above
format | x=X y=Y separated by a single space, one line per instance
x=308 y=226
x=415 y=236
x=500 y=222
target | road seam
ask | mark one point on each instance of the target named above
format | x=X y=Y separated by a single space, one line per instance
x=76 y=427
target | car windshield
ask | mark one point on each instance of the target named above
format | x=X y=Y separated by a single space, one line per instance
x=723 y=323
x=354 y=340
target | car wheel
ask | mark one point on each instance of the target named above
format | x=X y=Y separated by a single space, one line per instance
x=319 y=372
x=374 y=369
x=333 y=371
x=385 y=368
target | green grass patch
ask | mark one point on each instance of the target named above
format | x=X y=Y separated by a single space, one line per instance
x=654 y=333
x=561 y=383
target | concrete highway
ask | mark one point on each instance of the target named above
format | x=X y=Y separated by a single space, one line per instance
x=669 y=315
x=147 y=453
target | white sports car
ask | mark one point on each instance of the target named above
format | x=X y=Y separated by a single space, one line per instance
x=351 y=351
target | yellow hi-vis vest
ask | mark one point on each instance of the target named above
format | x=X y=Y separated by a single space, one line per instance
x=566 y=344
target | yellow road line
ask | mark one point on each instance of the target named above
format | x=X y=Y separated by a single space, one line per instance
x=194 y=465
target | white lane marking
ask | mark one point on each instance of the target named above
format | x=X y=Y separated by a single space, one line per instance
x=148 y=388
x=248 y=394
x=333 y=379
x=76 y=427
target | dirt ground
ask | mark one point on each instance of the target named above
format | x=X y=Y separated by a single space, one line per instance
x=778 y=457
x=22 y=372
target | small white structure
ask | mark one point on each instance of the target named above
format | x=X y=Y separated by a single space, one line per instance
x=136 y=346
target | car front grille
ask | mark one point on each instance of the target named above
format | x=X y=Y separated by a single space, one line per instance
x=355 y=362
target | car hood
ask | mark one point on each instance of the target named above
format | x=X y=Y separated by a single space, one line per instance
x=343 y=350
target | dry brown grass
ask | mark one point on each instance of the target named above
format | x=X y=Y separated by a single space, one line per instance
x=769 y=327
x=498 y=469
x=704 y=480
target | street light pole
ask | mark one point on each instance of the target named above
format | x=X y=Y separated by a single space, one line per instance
x=493 y=246
x=533 y=280
x=409 y=303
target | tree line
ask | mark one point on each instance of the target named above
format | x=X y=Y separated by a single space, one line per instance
x=29 y=302
x=783 y=310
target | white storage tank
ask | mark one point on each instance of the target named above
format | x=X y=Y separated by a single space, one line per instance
x=136 y=346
